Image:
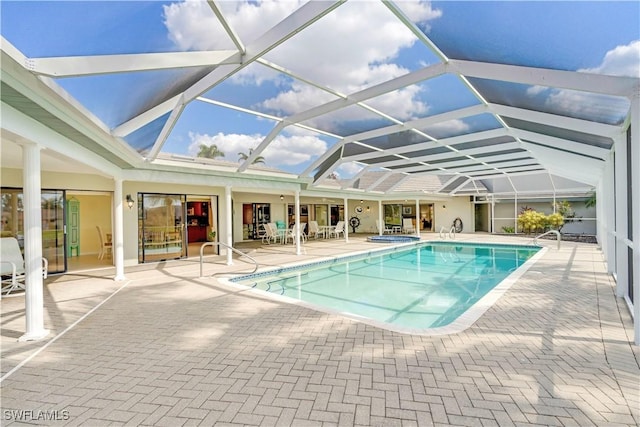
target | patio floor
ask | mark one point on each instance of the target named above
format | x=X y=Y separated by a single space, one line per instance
x=169 y=348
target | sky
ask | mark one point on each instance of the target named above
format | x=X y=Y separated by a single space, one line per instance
x=358 y=45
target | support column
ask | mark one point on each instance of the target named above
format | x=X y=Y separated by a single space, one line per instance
x=622 y=266
x=118 y=230
x=346 y=220
x=607 y=201
x=635 y=208
x=297 y=222
x=380 y=219
x=228 y=219
x=418 y=217
x=34 y=299
x=515 y=212
x=493 y=215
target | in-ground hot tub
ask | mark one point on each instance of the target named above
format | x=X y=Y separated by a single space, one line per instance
x=401 y=238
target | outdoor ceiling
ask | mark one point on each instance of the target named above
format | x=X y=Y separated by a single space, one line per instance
x=450 y=97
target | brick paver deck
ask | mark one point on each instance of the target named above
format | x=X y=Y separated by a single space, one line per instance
x=170 y=348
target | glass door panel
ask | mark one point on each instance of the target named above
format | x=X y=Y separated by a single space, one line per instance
x=337 y=214
x=161 y=227
x=52 y=212
x=322 y=213
x=53 y=236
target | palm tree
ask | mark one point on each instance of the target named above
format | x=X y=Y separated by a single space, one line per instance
x=243 y=157
x=210 y=151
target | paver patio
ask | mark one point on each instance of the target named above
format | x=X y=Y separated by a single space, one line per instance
x=170 y=348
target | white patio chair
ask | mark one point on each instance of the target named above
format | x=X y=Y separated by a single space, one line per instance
x=336 y=231
x=291 y=234
x=12 y=265
x=407 y=226
x=314 y=229
x=385 y=229
x=270 y=233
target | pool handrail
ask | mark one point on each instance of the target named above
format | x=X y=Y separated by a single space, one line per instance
x=452 y=232
x=230 y=248
x=556 y=232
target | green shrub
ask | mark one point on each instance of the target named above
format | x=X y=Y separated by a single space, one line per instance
x=508 y=230
x=555 y=221
x=531 y=221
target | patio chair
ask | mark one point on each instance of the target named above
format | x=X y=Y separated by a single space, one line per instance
x=106 y=247
x=385 y=229
x=12 y=265
x=336 y=231
x=291 y=234
x=270 y=233
x=314 y=229
x=407 y=225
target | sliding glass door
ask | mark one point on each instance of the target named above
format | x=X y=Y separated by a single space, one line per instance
x=161 y=227
x=53 y=236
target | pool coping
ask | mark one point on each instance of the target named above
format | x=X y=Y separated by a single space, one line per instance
x=464 y=321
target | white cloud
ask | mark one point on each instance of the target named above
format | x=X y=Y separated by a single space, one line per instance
x=450 y=127
x=193 y=26
x=348 y=170
x=620 y=61
x=284 y=150
x=536 y=90
x=343 y=50
x=294 y=149
x=589 y=105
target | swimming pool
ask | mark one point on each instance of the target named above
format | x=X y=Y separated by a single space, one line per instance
x=433 y=287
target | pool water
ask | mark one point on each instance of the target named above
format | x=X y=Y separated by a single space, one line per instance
x=424 y=286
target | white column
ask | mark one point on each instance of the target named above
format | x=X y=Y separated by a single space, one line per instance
x=606 y=200
x=118 y=229
x=380 y=219
x=418 y=217
x=515 y=212
x=635 y=208
x=228 y=220
x=622 y=266
x=493 y=215
x=34 y=300
x=297 y=223
x=346 y=220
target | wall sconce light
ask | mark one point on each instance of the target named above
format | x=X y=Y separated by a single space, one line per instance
x=444 y=206
x=281 y=197
x=130 y=201
x=361 y=201
x=368 y=209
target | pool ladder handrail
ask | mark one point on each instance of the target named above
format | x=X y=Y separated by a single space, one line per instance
x=451 y=233
x=230 y=248
x=556 y=232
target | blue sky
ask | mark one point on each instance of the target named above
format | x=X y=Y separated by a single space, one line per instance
x=342 y=52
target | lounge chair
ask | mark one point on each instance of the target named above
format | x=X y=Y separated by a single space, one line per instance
x=12 y=265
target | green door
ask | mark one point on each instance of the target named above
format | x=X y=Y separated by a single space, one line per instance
x=73 y=227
